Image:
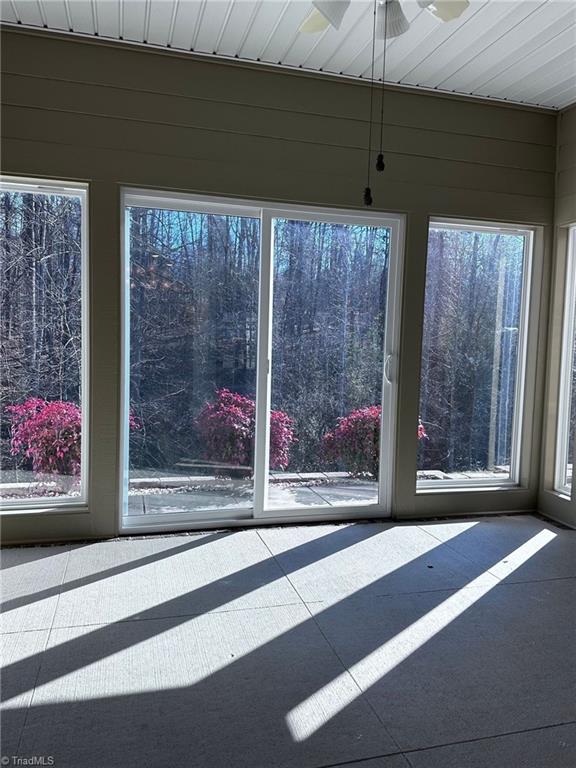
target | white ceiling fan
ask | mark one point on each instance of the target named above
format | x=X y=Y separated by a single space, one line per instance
x=331 y=12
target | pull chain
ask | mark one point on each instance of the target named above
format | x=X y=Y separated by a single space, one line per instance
x=367 y=191
x=380 y=159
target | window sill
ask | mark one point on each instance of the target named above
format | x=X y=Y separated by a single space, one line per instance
x=563 y=495
x=452 y=489
x=43 y=509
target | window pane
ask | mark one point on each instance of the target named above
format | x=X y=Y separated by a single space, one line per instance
x=567 y=405
x=40 y=345
x=193 y=329
x=329 y=319
x=470 y=364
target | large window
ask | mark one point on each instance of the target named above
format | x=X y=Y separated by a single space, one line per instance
x=472 y=372
x=257 y=342
x=567 y=400
x=42 y=408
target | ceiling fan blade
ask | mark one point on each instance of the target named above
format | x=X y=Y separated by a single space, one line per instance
x=331 y=12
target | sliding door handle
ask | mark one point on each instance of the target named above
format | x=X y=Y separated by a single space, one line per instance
x=389 y=369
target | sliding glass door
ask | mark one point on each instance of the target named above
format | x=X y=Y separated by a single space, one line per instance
x=193 y=309
x=330 y=293
x=258 y=360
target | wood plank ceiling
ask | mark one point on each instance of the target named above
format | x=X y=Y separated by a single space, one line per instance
x=518 y=50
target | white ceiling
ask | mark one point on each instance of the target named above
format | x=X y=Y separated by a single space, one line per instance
x=518 y=50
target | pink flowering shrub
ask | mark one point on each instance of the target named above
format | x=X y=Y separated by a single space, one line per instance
x=48 y=434
x=355 y=441
x=226 y=427
x=281 y=439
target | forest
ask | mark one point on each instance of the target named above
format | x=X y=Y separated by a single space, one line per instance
x=40 y=328
x=194 y=311
x=193 y=298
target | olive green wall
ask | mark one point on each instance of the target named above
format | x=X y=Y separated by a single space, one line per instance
x=566 y=179
x=115 y=115
x=121 y=114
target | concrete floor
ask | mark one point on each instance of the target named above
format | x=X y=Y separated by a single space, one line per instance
x=445 y=645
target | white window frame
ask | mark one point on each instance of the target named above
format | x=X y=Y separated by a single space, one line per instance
x=530 y=277
x=73 y=503
x=267 y=212
x=562 y=483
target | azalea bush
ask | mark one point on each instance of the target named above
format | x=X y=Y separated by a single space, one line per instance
x=226 y=427
x=355 y=441
x=47 y=435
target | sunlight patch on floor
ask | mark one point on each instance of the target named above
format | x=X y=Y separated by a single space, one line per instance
x=312 y=713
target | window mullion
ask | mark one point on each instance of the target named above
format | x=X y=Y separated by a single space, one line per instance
x=564 y=409
x=262 y=438
x=390 y=360
x=525 y=308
